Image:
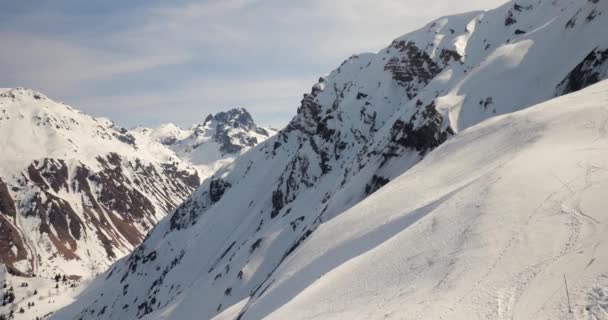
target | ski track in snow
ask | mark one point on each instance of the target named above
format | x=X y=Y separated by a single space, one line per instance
x=565 y=196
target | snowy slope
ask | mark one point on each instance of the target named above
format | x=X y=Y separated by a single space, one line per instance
x=484 y=227
x=77 y=193
x=216 y=142
x=361 y=126
x=36 y=296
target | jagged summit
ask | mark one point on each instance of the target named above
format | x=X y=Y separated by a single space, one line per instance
x=237 y=117
x=235 y=130
x=214 y=142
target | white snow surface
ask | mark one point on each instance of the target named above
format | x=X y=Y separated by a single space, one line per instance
x=34 y=127
x=485 y=227
x=44 y=294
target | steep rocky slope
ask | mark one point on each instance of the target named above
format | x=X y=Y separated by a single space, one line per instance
x=360 y=127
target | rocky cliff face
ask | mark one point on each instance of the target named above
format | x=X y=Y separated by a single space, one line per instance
x=361 y=126
x=591 y=70
x=77 y=193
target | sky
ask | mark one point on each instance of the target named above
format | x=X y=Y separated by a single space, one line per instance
x=148 y=62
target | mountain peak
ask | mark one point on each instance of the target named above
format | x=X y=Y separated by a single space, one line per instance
x=208 y=118
x=214 y=142
x=21 y=93
x=236 y=118
x=235 y=130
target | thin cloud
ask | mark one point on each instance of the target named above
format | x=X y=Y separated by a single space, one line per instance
x=270 y=100
x=57 y=65
x=199 y=56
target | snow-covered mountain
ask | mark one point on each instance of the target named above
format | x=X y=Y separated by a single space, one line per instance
x=270 y=231
x=77 y=193
x=485 y=227
x=219 y=140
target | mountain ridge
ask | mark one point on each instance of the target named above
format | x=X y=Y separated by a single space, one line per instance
x=366 y=123
x=445 y=241
x=53 y=154
x=78 y=193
